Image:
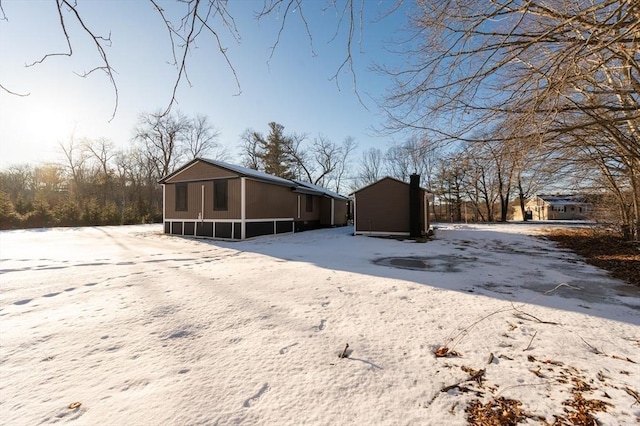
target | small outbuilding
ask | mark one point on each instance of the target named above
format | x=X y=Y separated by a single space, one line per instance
x=215 y=199
x=391 y=207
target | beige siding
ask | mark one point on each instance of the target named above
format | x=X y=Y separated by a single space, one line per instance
x=316 y=207
x=234 y=203
x=325 y=211
x=266 y=200
x=194 y=201
x=201 y=171
x=384 y=207
x=340 y=213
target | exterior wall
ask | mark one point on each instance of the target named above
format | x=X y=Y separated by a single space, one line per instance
x=565 y=212
x=383 y=207
x=234 y=201
x=340 y=211
x=305 y=220
x=269 y=211
x=265 y=200
x=314 y=214
x=325 y=211
x=194 y=201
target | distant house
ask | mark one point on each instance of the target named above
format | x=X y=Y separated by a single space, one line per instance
x=558 y=207
x=391 y=207
x=210 y=198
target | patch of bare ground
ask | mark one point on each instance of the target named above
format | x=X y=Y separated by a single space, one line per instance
x=603 y=249
x=579 y=410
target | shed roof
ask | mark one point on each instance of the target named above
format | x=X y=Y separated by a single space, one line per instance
x=380 y=180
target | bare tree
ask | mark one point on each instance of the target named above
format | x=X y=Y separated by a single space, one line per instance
x=451 y=175
x=162 y=137
x=413 y=156
x=75 y=155
x=302 y=163
x=102 y=151
x=371 y=167
x=349 y=145
x=398 y=163
x=249 y=150
x=566 y=67
x=325 y=162
x=201 y=139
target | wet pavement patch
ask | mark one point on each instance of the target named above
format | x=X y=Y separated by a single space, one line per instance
x=440 y=263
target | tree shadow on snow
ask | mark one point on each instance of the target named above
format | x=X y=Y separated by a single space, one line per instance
x=490 y=263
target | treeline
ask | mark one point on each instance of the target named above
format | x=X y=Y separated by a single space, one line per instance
x=53 y=195
x=97 y=184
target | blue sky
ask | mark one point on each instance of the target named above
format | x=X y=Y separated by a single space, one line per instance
x=292 y=88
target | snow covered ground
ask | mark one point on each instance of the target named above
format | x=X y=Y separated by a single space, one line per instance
x=140 y=328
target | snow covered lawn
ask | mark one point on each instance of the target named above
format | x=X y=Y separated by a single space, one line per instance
x=140 y=328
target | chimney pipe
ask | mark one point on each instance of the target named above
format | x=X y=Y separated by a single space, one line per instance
x=415 y=230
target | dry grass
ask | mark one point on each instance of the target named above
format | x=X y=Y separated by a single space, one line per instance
x=497 y=412
x=602 y=249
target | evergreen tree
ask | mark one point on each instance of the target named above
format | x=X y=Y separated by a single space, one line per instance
x=274 y=152
x=8 y=215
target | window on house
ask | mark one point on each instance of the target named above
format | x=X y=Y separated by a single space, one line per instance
x=221 y=194
x=181 y=197
x=309 y=203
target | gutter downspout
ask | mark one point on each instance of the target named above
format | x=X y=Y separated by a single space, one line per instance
x=202 y=206
x=355 y=226
x=333 y=212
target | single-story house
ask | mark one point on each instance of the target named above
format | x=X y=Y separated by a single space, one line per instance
x=558 y=207
x=211 y=198
x=391 y=207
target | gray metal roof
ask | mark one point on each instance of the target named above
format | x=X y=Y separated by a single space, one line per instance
x=247 y=172
x=567 y=199
x=320 y=190
x=299 y=186
x=386 y=178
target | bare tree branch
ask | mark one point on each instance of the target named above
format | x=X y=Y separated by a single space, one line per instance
x=12 y=92
x=99 y=42
x=3 y=16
